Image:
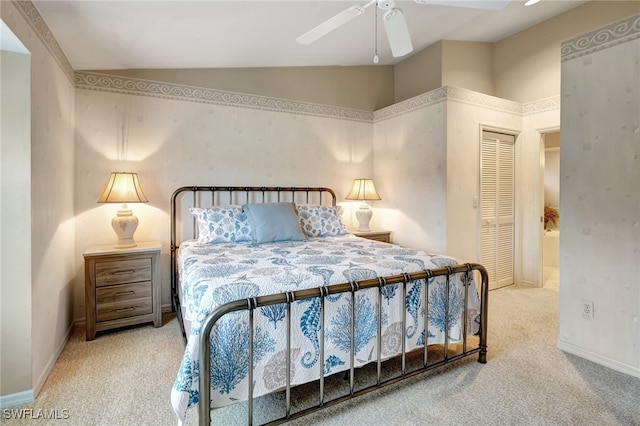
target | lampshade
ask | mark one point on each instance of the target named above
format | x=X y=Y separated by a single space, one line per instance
x=124 y=188
x=363 y=189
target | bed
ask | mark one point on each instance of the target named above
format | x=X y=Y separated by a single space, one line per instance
x=272 y=290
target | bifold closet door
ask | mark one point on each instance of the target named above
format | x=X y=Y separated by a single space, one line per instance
x=497 y=201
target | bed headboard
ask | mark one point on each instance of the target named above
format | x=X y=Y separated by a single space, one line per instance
x=183 y=224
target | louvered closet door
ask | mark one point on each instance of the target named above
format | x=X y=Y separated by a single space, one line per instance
x=497 y=184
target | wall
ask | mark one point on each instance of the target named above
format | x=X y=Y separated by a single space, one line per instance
x=468 y=112
x=426 y=161
x=526 y=66
x=15 y=247
x=217 y=138
x=468 y=64
x=419 y=73
x=445 y=63
x=52 y=259
x=599 y=198
x=410 y=163
x=366 y=88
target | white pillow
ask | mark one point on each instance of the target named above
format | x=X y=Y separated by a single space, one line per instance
x=222 y=224
x=321 y=221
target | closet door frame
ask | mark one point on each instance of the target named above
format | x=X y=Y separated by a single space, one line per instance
x=542 y=144
x=517 y=220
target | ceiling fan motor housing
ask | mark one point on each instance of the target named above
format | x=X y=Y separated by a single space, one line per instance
x=386 y=4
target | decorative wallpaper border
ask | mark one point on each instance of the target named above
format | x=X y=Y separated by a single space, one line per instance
x=34 y=19
x=141 y=87
x=475 y=98
x=622 y=31
x=411 y=104
x=448 y=93
x=541 y=105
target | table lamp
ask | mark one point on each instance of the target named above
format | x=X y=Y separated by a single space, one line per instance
x=124 y=188
x=363 y=190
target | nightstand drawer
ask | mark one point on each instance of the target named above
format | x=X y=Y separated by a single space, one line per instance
x=123 y=271
x=379 y=237
x=128 y=308
x=382 y=236
x=123 y=292
x=122 y=286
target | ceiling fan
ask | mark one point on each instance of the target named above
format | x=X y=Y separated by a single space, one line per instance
x=394 y=21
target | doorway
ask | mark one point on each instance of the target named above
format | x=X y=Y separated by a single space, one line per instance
x=550 y=160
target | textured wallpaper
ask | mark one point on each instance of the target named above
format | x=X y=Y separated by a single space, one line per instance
x=600 y=195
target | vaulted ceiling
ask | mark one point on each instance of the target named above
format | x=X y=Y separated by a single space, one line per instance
x=109 y=34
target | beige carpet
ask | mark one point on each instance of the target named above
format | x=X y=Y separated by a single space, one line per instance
x=125 y=377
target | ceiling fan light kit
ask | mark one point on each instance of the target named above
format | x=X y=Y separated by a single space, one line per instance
x=394 y=21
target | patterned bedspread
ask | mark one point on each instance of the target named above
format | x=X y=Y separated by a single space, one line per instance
x=214 y=274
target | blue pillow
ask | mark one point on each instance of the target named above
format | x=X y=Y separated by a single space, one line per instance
x=272 y=222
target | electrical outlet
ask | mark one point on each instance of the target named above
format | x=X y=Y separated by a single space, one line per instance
x=587 y=309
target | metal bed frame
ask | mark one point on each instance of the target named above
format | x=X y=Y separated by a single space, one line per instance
x=251 y=304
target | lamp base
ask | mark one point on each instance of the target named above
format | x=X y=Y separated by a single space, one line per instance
x=363 y=214
x=124 y=225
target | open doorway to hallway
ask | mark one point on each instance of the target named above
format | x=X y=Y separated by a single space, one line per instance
x=551 y=216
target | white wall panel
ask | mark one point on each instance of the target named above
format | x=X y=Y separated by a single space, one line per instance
x=600 y=195
x=52 y=263
x=469 y=112
x=410 y=166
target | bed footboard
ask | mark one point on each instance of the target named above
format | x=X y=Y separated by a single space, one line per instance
x=251 y=304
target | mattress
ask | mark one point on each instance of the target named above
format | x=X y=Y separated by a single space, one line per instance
x=214 y=274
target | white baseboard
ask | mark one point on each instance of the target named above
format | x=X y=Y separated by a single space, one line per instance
x=28 y=396
x=527 y=283
x=14 y=399
x=52 y=361
x=598 y=359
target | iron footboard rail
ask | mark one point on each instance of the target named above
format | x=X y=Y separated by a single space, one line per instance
x=204 y=406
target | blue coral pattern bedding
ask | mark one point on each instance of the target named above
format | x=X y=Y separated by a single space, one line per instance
x=215 y=274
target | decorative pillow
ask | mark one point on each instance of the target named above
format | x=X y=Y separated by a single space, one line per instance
x=321 y=221
x=243 y=227
x=224 y=224
x=272 y=222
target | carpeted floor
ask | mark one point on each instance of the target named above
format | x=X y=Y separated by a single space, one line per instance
x=125 y=377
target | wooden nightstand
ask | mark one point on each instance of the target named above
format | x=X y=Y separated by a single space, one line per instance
x=384 y=236
x=122 y=286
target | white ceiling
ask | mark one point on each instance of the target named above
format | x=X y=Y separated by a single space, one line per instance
x=109 y=34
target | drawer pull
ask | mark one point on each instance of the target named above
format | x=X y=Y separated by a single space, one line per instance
x=125 y=293
x=132 y=308
x=128 y=271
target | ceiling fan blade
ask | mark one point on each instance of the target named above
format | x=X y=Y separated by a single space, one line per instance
x=471 y=4
x=397 y=32
x=331 y=24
